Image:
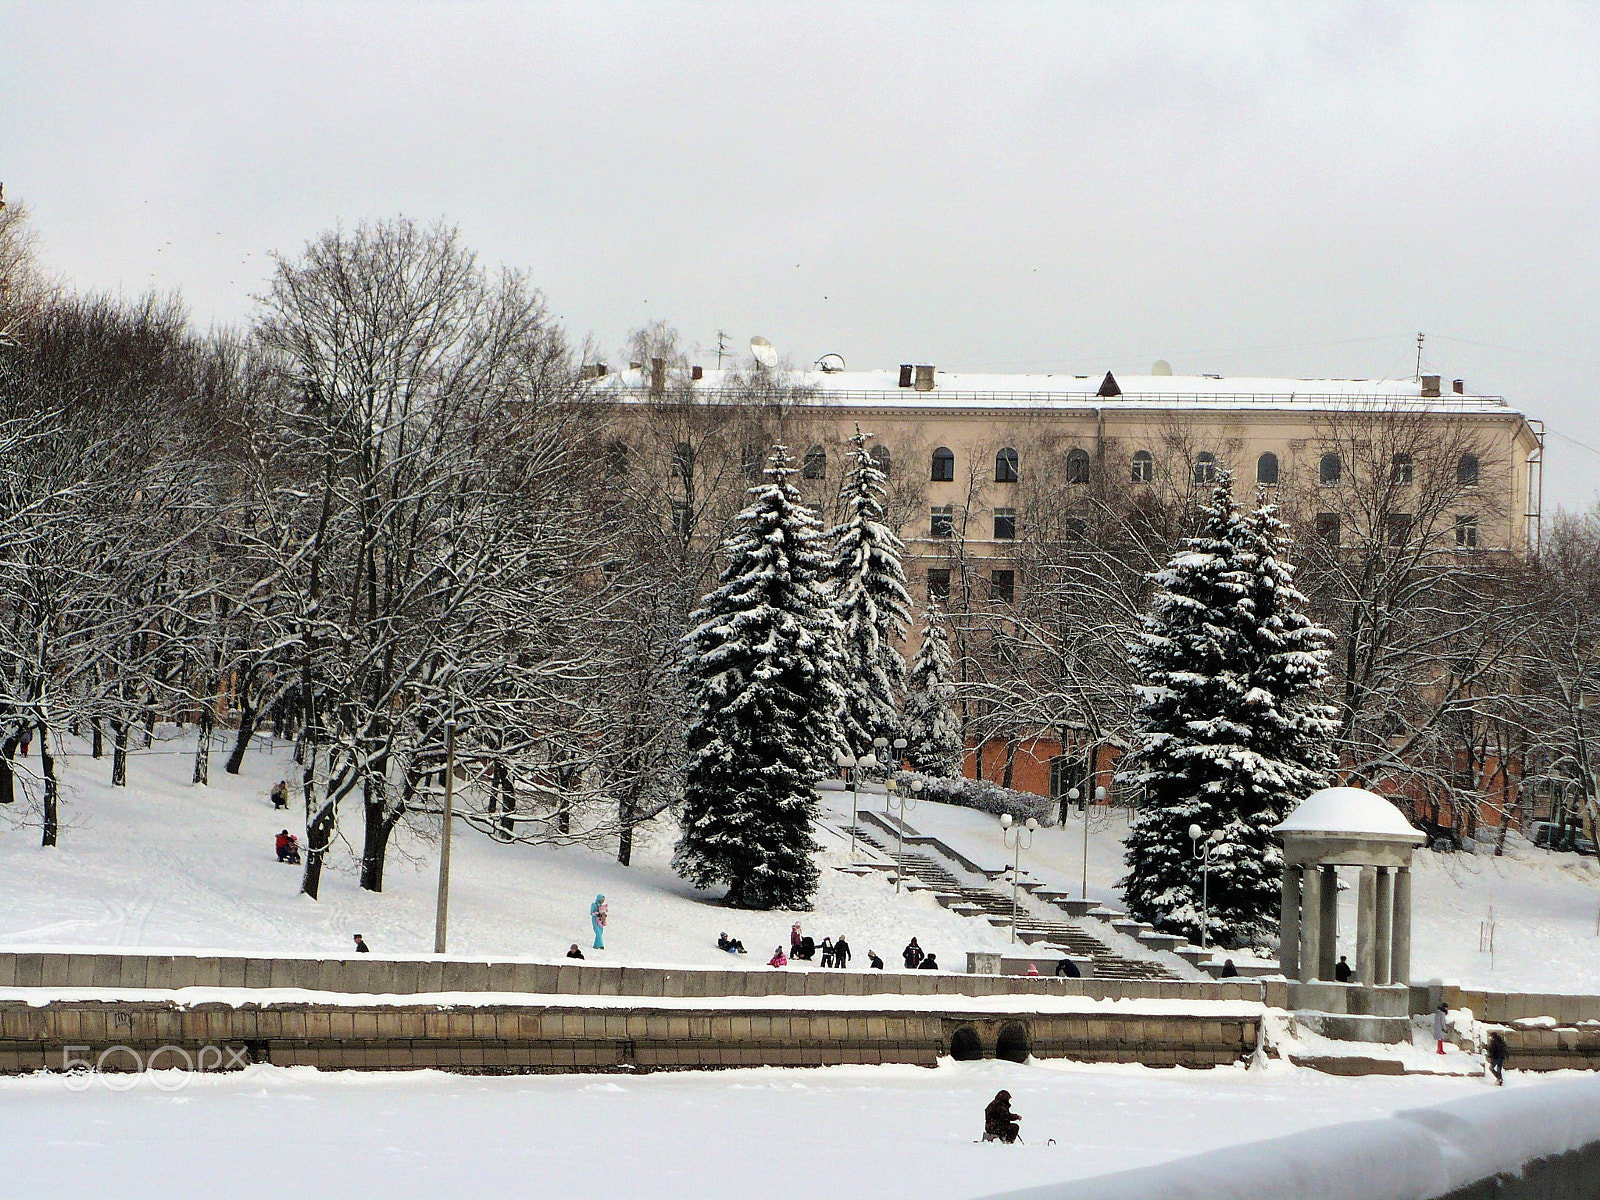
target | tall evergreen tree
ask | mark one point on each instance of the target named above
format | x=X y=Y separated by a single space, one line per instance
x=933 y=730
x=762 y=667
x=1231 y=737
x=871 y=602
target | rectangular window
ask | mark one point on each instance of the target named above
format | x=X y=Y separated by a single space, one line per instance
x=1467 y=530
x=1328 y=529
x=682 y=518
x=1003 y=586
x=942 y=521
x=1399 y=525
x=939 y=583
x=1076 y=529
x=1005 y=524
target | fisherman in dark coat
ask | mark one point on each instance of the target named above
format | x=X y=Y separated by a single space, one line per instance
x=999 y=1122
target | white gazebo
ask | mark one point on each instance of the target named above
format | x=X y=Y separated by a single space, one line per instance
x=1346 y=827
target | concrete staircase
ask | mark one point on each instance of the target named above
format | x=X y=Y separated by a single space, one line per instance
x=920 y=871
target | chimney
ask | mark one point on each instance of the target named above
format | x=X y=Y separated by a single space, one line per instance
x=1430 y=385
x=658 y=377
x=925 y=378
x=1458 y=386
x=905 y=374
x=697 y=372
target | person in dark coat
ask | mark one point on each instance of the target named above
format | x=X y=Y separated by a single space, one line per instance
x=806 y=950
x=912 y=955
x=929 y=964
x=841 y=952
x=999 y=1122
x=361 y=945
x=1067 y=969
x=1229 y=971
x=827 y=952
x=731 y=945
x=873 y=961
x=573 y=951
x=1497 y=1057
x=1342 y=972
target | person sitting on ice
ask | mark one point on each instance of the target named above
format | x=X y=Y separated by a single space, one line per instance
x=573 y=951
x=731 y=945
x=777 y=959
x=1342 y=972
x=282 y=843
x=827 y=952
x=999 y=1122
x=873 y=961
x=912 y=955
x=929 y=964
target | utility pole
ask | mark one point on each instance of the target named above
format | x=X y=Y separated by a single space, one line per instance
x=1419 y=354
x=441 y=915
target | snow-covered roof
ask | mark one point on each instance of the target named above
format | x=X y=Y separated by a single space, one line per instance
x=1352 y=812
x=881 y=389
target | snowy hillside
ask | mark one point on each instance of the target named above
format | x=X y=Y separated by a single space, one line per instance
x=164 y=863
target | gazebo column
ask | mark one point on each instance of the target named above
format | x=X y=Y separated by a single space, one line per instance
x=1400 y=955
x=1367 y=926
x=1289 y=924
x=1384 y=965
x=1310 y=922
x=1328 y=921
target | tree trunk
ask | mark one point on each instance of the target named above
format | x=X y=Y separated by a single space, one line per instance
x=202 y=750
x=508 y=800
x=149 y=727
x=380 y=825
x=1011 y=762
x=97 y=739
x=249 y=714
x=47 y=764
x=626 y=818
x=8 y=778
x=119 y=753
x=319 y=834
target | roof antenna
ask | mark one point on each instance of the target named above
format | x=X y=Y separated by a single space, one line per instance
x=1420 y=336
x=722 y=347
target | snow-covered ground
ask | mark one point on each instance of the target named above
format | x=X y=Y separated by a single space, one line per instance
x=867 y=1132
x=164 y=863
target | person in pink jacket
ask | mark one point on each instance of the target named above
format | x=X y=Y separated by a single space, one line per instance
x=777 y=959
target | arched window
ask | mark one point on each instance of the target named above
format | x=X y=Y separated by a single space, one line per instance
x=1467 y=470
x=1144 y=467
x=1005 y=466
x=880 y=459
x=1331 y=470
x=1205 y=467
x=1267 y=469
x=1402 y=469
x=816 y=463
x=616 y=457
x=944 y=465
x=683 y=463
x=1077 y=465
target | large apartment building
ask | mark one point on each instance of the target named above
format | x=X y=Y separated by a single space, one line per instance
x=973 y=459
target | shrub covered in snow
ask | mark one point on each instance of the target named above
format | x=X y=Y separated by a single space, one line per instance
x=980 y=794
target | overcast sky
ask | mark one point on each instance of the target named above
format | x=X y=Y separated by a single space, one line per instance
x=1283 y=189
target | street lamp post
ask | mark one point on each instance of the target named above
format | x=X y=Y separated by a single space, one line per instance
x=1014 y=841
x=849 y=763
x=1202 y=851
x=1099 y=798
x=899 y=753
x=897 y=798
x=441 y=912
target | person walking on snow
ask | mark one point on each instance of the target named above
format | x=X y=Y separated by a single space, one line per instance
x=1441 y=1024
x=598 y=912
x=1497 y=1057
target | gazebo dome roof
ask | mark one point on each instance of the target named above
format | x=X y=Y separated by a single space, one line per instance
x=1350 y=812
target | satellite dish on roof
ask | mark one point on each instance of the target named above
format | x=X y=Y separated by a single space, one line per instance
x=763 y=351
x=1162 y=367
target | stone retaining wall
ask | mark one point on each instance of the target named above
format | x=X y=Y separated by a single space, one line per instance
x=370 y=974
x=123 y=1036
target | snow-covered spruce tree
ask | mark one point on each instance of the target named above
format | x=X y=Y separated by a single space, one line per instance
x=1230 y=735
x=871 y=602
x=933 y=730
x=762 y=667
